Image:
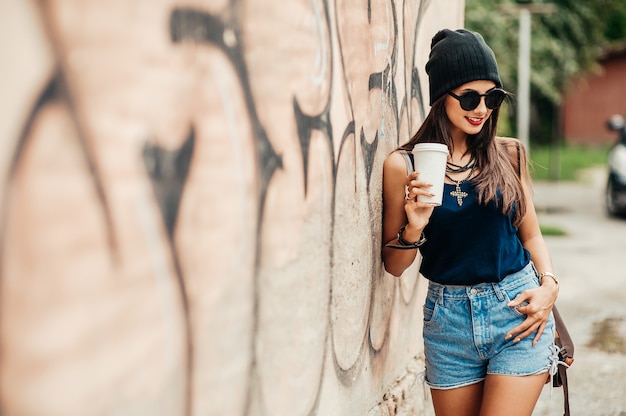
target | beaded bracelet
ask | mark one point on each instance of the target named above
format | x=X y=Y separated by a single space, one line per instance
x=407 y=245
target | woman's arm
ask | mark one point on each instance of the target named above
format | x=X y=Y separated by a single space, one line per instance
x=540 y=300
x=398 y=212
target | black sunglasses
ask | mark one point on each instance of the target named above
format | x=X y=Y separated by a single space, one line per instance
x=469 y=100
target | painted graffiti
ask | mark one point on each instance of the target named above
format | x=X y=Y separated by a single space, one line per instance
x=191 y=204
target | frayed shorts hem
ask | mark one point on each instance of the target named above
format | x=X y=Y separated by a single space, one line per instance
x=455 y=385
x=534 y=373
x=478 y=380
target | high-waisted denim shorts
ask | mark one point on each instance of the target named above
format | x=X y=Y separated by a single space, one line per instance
x=464 y=329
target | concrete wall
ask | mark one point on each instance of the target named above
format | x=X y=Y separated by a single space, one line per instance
x=191 y=206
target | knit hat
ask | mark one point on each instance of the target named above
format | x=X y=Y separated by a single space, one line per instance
x=457 y=57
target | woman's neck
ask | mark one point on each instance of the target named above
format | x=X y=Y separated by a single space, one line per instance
x=459 y=159
x=459 y=143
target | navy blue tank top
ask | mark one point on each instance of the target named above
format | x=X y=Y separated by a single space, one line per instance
x=470 y=243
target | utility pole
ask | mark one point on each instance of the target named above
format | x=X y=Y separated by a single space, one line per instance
x=523 y=78
x=523 y=64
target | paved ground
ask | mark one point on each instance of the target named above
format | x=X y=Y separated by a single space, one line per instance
x=591 y=264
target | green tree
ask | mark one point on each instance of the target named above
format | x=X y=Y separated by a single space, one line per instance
x=612 y=15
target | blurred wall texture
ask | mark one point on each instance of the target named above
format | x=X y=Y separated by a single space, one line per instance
x=191 y=206
x=592 y=100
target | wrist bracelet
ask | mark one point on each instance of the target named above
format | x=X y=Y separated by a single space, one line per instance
x=407 y=245
x=549 y=274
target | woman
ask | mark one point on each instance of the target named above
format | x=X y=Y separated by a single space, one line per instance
x=488 y=326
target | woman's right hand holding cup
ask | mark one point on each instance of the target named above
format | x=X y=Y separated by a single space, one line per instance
x=417 y=213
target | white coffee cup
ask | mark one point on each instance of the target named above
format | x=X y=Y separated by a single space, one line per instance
x=430 y=161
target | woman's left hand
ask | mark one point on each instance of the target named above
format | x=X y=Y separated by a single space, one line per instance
x=536 y=304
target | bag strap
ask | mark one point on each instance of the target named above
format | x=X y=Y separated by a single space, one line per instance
x=519 y=159
x=563 y=375
x=567 y=343
x=518 y=150
x=408 y=159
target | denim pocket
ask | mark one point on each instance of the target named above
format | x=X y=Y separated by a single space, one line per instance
x=430 y=308
x=511 y=294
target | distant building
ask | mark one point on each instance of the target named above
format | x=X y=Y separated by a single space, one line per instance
x=593 y=99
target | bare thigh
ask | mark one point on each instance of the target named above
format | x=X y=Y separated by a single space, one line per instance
x=496 y=396
x=462 y=401
x=510 y=395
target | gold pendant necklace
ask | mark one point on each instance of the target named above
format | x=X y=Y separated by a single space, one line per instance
x=458 y=193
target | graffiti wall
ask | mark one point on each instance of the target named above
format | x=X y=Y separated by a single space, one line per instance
x=191 y=205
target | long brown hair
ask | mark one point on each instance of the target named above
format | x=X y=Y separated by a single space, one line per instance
x=501 y=162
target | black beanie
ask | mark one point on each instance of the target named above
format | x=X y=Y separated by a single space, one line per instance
x=457 y=57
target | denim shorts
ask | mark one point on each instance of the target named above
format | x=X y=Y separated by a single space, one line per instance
x=464 y=330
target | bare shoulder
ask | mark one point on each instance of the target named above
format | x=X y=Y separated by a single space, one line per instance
x=395 y=164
